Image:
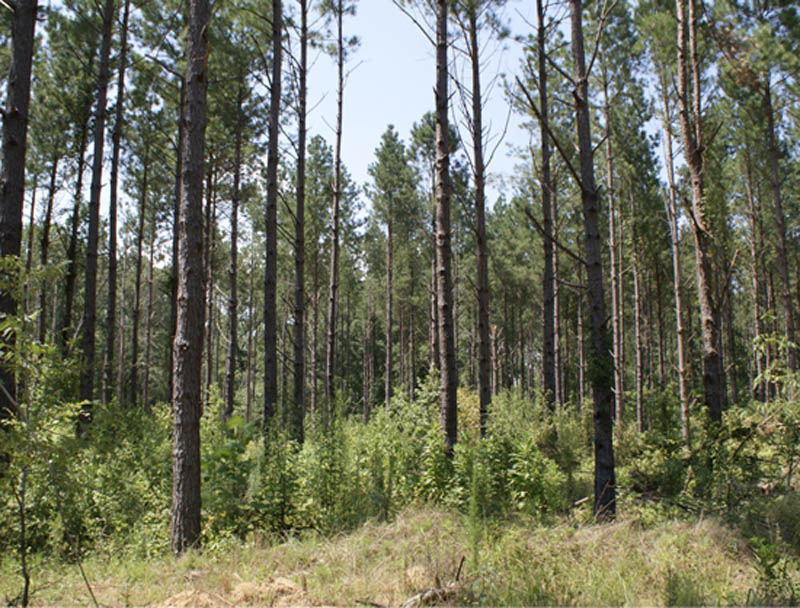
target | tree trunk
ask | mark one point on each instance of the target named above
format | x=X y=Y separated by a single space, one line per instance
x=44 y=247
x=90 y=283
x=558 y=366
x=299 y=405
x=148 y=319
x=672 y=214
x=233 y=301
x=755 y=278
x=484 y=388
x=188 y=345
x=602 y=365
x=619 y=397
x=780 y=222
x=249 y=401
x=637 y=323
x=433 y=326
x=138 y=282
x=210 y=242
x=72 y=249
x=330 y=359
x=12 y=187
x=449 y=378
x=389 y=288
x=271 y=271
x=176 y=215
x=693 y=147
x=548 y=289
x=314 y=331
x=116 y=136
x=495 y=363
x=29 y=254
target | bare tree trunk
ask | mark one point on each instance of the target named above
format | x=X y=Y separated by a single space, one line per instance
x=603 y=375
x=271 y=271
x=637 y=323
x=412 y=372
x=12 y=184
x=551 y=392
x=120 y=379
x=479 y=171
x=116 y=136
x=581 y=361
x=65 y=329
x=188 y=345
x=299 y=405
x=672 y=214
x=558 y=366
x=138 y=282
x=368 y=356
x=780 y=221
x=693 y=147
x=249 y=402
x=495 y=363
x=330 y=360
x=619 y=397
x=29 y=254
x=433 y=327
x=233 y=301
x=173 y=317
x=389 y=289
x=90 y=284
x=210 y=247
x=314 y=332
x=449 y=377
x=44 y=246
x=148 y=330
x=758 y=391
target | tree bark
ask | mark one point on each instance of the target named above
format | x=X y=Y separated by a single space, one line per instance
x=758 y=391
x=72 y=249
x=188 y=345
x=548 y=289
x=389 y=289
x=780 y=223
x=176 y=215
x=637 y=324
x=44 y=243
x=148 y=323
x=90 y=283
x=299 y=405
x=333 y=286
x=693 y=146
x=449 y=378
x=672 y=214
x=616 y=329
x=271 y=271
x=12 y=188
x=484 y=388
x=116 y=136
x=138 y=281
x=233 y=301
x=601 y=363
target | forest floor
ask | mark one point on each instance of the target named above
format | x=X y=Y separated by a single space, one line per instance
x=636 y=560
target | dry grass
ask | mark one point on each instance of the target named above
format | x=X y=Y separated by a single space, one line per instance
x=513 y=563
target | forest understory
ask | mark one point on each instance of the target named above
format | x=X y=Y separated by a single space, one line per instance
x=375 y=513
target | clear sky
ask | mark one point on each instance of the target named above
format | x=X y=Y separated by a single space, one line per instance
x=391 y=82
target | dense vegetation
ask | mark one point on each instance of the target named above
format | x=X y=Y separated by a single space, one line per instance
x=243 y=343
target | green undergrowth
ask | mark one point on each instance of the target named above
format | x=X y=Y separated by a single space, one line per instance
x=389 y=512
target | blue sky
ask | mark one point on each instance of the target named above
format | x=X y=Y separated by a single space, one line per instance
x=391 y=82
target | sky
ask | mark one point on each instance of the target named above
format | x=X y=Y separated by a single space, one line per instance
x=391 y=81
